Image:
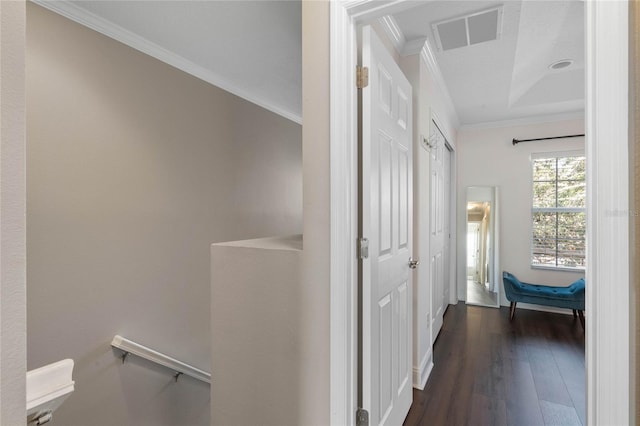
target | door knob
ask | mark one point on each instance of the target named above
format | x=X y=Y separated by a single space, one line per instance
x=413 y=264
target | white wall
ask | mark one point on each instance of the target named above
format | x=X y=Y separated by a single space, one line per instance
x=134 y=169
x=486 y=157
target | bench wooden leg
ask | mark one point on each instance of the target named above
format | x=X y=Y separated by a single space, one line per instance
x=575 y=313
x=512 y=310
x=581 y=315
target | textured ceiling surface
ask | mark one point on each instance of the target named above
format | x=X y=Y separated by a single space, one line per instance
x=509 y=78
x=253 y=49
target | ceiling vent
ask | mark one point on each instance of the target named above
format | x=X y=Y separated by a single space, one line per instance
x=466 y=30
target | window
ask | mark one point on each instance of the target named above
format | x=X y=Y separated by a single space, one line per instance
x=558 y=210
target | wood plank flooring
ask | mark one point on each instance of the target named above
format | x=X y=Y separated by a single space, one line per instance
x=490 y=371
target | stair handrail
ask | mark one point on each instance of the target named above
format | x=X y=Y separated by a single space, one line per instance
x=129 y=347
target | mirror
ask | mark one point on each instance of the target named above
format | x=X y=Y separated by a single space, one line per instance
x=483 y=283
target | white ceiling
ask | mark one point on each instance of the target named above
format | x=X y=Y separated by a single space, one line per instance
x=508 y=78
x=253 y=49
x=249 y=48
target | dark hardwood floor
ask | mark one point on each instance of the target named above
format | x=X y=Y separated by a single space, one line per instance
x=489 y=371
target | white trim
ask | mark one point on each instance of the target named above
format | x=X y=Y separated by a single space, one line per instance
x=393 y=31
x=422 y=373
x=536 y=119
x=344 y=16
x=362 y=10
x=577 y=270
x=553 y=210
x=453 y=230
x=403 y=46
x=426 y=54
x=608 y=281
x=344 y=208
x=453 y=227
x=556 y=154
x=135 y=41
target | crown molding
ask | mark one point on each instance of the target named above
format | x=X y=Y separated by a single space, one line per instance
x=362 y=10
x=393 y=31
x=427 y=56
x=422 y=46
x=135 y=41
x=403 y=46
x=539 y=119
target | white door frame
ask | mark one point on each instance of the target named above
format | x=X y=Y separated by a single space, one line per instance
x=343 y=148
x=608 y=349
x=608 y=312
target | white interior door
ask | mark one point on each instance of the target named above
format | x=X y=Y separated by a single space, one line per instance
x=387 y=219
x=438 y=252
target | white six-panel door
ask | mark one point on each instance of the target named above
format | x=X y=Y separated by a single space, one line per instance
x=387 y=223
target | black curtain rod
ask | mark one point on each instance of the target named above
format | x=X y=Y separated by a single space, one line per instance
x=517 y=141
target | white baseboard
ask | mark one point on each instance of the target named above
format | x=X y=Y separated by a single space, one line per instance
x=421 y=374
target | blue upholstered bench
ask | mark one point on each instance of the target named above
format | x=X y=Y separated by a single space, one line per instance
x=570 y=297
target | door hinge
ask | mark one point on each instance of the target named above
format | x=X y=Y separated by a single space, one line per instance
x=362 y=417
x=362 y=77
x=363 y=248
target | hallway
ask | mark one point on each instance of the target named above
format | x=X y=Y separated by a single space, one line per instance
x=489 y=371
x=477 y=294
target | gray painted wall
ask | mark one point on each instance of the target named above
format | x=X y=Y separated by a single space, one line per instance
x=13 y=315
x=134 y=168
x=314 y=406
x=256 y=310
